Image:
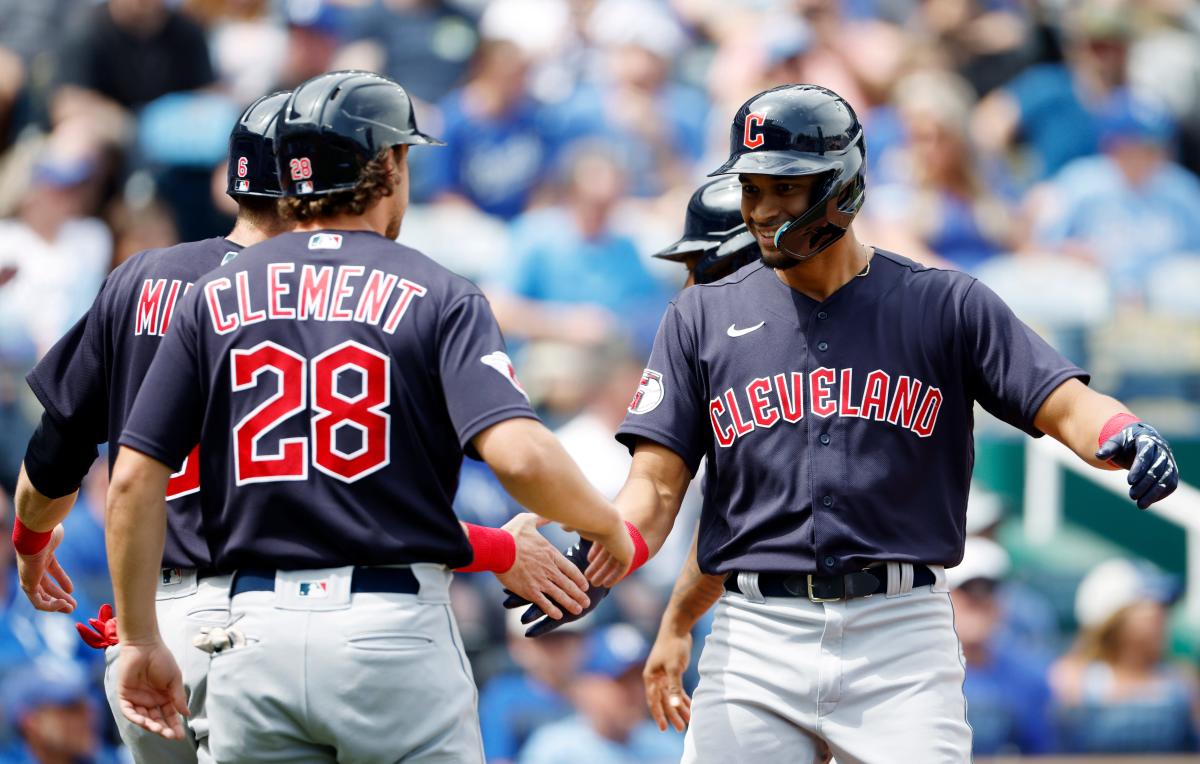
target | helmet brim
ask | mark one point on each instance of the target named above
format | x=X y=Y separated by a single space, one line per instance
x=679 y=251
x=421 y=139
x=777 y=163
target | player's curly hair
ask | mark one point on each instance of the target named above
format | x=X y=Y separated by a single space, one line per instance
x=375 y=182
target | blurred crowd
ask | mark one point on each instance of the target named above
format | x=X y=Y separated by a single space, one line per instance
x=1050 y=147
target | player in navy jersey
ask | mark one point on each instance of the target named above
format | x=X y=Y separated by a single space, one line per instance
x=831 y=391
x=334 y=380
x=87 y=384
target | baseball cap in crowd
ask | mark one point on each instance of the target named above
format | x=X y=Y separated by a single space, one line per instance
x=1118 y=583
x=615 y=650
x=635 y=22
x=983 y=559
x=41 y=684
x=1128 y=119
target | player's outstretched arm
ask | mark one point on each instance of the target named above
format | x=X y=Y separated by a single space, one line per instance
x=536 y=470
x=693 y=595
x=150 y=685
x=37 y=532
x=649 y=502
x=1103 y=432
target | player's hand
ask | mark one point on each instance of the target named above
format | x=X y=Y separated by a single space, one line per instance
x=608 y=562
x=541 y=574
x=43 y=580
x=150 y=689
x=1139 y=448
x=663 y=677
x=103 y=629
x=577 y=556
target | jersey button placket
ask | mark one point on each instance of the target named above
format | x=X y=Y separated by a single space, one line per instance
x=822 y=346
x=824 y=439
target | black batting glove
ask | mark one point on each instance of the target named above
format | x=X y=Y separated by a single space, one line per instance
x=578 y=555
x=1139 y=448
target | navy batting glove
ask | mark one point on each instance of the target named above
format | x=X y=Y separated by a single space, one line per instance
x=578 y=555
x=1139 y=448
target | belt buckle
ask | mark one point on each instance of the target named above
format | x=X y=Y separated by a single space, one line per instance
x=813 y=598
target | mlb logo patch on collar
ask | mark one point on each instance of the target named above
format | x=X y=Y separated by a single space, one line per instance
x=325 y=241
x=313 y=589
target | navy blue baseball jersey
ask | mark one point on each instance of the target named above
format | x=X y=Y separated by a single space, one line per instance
x=88 y=381
x=334 y=381
x=838 y=433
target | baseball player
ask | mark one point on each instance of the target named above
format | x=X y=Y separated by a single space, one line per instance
x=87 y=384
x=334 y=379
x=715 y=243
x=831 y=390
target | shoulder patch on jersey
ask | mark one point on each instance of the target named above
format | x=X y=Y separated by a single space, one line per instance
x=228 y=256
x=325 y=241
x=649 y=393
x=500 y=361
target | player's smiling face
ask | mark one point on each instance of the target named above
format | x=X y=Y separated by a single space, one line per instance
x=769 y=201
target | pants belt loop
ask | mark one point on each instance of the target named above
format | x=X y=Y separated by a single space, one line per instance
x=747 y=582
x=906 y=577
x=899 y=579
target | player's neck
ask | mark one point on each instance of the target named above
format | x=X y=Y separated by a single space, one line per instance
x=829 y=271
x=248 y=232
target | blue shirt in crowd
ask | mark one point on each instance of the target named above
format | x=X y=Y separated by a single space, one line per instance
x=1055 y=125
x=511 y=708
x=1158 y=719
x=496 y=163
x=1008 y=704
x=573 y=740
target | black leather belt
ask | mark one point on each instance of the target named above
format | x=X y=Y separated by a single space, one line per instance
x=377 y=580
x=861 y=583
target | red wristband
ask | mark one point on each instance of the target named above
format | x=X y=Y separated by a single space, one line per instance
x=495 y=549
x=1115 y=424
x=28 y=542
x=641 y=552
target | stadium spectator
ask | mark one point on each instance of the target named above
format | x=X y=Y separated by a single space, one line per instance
x=424 y=44
x=496 y=152
x=248 y=40
x=936 y=203
x=653 y=124
x=516 y=704
x=1051 y=108
x=571 y=276
x=612 y=725
x=53 y=254
x=54 y=715
x=1008 y=700
x=1115 y=693
x=1127 y=208
x=125 y=54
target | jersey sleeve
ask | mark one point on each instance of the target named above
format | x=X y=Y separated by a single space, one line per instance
x=71 y=382
x=166 y=417
x=477 y=376
x=668 y=405
x=1011 y=369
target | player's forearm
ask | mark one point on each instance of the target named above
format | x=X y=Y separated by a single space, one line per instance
x=694 y=594
x=37 y=511
x=135 y=529
x=537 y=471
x=653 y=492
x=1074 y=415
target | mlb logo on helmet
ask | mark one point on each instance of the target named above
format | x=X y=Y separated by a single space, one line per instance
x=304 y=187
x=314 y=589
x=241 y=185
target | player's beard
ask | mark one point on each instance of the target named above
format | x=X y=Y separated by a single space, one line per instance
x=780 y=261
x=393 y=227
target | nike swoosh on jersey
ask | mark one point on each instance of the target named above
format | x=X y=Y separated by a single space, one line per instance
x=733 y=331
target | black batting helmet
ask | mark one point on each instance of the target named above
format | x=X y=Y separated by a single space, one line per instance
x=804 y=130
x=335 y=123
x=714 y=232
x=252 y=170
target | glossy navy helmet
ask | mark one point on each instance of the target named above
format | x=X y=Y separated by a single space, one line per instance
x=714 y=232
x=252 y=170
x=335 y=123
x=804 y=130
